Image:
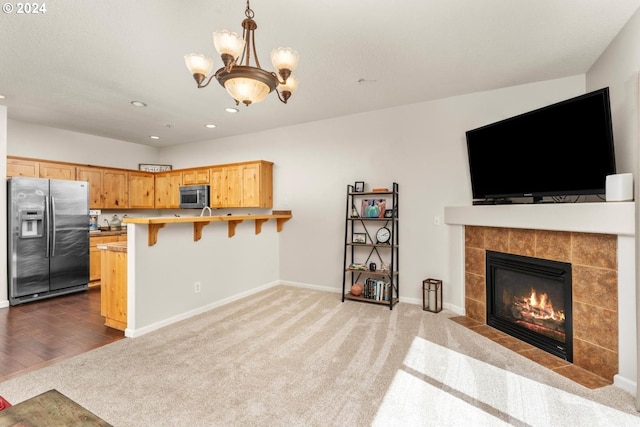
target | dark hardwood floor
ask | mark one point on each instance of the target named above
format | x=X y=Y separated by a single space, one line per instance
x=36 y=334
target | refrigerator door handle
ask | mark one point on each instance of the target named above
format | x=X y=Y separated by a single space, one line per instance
x=47 y=214
x=53 y=227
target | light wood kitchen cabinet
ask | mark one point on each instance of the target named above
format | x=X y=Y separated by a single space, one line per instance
x=94 y=177
x=23 y=167
x=257 y=185
x=38 y=169
x=113 y=293
x=141 y=190
x=57 y=171
x=195 y=176
x=108 y=188
x=94 y=257
x=167 y=189
x=115 y=188
x=234 y=185
x=242 y=185
x=225 y=189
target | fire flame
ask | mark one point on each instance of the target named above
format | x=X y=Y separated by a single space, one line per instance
x=543 y=307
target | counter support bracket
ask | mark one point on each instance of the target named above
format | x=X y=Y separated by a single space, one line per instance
x=153 y=232
x=197 y=230
x=232 y=226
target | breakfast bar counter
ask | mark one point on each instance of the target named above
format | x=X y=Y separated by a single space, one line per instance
x=156 y=223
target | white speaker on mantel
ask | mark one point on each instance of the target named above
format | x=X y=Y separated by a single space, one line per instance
x=619 y=187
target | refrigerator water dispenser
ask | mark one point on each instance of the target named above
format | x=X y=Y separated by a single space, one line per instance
x=31 y=223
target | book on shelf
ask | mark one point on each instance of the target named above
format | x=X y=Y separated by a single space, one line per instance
x=377 y=290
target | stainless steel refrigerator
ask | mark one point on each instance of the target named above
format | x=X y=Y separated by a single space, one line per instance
x=48 y=238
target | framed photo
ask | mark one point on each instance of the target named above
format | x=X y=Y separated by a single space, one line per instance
x=359 y=187
x=147 y=167
x=373 y=208
x=359 y=238
x=388 y=213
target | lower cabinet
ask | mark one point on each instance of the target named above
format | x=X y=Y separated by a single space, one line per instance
x=113 y=292
x=94 y=255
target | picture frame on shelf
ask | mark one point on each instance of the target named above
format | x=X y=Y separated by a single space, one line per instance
x=359 y=238
x=373 y=208
x=388 y=213
x=358 y=187
x=148 y=167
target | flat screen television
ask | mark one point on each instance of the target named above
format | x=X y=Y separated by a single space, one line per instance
x=563 y=149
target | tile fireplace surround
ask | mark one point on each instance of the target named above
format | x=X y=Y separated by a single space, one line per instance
x=595 y=284
x=586 y=235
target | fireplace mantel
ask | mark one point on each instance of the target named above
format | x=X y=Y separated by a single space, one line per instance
x=606 y=217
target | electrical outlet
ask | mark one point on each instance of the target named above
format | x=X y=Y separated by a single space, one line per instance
x=197 y=286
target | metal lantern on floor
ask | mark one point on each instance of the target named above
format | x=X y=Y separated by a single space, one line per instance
x=432 y=295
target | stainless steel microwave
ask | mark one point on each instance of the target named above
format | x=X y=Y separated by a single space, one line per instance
x=194 y=196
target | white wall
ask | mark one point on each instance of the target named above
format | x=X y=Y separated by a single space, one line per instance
x=420 y=146
x=618 y=68
x=42 y=142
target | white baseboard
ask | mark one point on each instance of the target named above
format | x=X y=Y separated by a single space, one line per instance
x=136 y=332
x=625 y=384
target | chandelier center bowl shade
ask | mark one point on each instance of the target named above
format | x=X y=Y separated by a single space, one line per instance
x=241 y=74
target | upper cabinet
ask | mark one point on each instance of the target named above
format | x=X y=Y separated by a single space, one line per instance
x=257 y=185
x=36 y=169
x=195 y=176
x=108 y=188
x=22 y=167
x=57 y=171
x=141 y=190
x=167 y=189
x=115 y=188
x=242 y=185
x=234 y=185
x=94 y=177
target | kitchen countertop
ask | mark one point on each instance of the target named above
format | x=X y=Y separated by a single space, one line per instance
x=107 y=233
x=113 y=246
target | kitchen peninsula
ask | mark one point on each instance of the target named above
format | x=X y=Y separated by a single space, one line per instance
x=156 y=277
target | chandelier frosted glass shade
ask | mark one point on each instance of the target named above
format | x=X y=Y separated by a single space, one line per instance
x=197 y=63
x=227 y=42
x=290 y=86
x=248 y=84
x=284 y=58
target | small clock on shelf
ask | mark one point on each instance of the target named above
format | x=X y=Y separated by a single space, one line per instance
x=383 y=235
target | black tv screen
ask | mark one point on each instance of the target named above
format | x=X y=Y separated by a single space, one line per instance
x=558 y=150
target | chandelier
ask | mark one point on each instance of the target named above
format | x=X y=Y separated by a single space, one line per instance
x=241 y=75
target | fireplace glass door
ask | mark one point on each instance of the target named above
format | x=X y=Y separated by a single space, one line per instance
x=530 y=299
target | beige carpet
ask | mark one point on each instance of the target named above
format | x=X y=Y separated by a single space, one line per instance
x=298 y=357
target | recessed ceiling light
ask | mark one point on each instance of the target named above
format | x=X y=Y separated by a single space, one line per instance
x=231 y=110
x=2 y=97
x=138 y=103
x=154 y=137
x=210 y=126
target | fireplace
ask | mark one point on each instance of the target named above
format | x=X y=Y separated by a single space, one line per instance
x=531 y=299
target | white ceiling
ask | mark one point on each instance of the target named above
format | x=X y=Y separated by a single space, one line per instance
x=79 y=65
